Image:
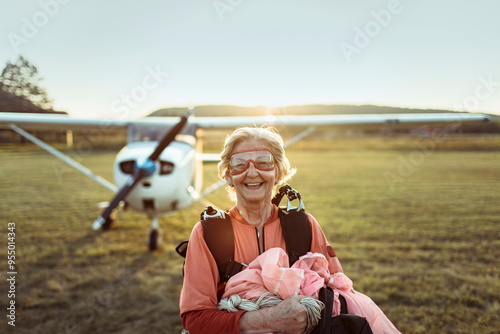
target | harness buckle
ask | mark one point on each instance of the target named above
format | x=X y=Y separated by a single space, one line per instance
x=210 y=212
x=293 y=194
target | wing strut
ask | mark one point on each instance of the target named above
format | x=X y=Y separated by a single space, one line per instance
x=298 y=137
x=79 y=167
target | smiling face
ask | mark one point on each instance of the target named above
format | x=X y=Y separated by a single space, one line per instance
x=252 y=186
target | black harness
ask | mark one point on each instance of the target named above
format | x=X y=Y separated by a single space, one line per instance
x=219 y=236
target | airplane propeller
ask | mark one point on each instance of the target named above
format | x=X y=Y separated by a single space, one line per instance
x=142 y=169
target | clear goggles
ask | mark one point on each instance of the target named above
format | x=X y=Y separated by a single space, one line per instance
x=262 y=159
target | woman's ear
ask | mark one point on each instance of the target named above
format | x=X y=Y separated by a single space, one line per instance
x=229 y=179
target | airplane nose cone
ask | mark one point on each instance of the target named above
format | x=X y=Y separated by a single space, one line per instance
x=144 y=167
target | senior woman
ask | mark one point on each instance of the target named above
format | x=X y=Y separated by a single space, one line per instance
x=253 y=163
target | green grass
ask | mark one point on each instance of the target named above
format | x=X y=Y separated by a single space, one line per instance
x=425 y=247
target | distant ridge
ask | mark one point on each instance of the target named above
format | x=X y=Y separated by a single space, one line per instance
x=310 y=109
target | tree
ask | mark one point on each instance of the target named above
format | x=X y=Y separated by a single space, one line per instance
x=20 y=90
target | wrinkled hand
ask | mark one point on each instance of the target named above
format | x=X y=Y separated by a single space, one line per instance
x=290 y=316
x=287 y=317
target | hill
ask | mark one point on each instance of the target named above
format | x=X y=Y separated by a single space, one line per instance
x=316 y=109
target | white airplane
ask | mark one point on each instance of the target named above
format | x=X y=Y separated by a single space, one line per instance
x=162 y=176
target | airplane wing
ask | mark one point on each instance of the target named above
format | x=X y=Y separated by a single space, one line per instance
x=323 y=120
x=64 y=122
x=56 y=122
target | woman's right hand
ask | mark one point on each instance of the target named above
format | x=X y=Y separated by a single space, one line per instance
x=288 y=317
x=291 y=315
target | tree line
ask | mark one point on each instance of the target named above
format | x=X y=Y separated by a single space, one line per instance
x=20 y=89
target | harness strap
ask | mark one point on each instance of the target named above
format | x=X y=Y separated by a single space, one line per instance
x=326 y=296
x=219 y=237
x=297 y=233
x=343 y=305
x=280 y=194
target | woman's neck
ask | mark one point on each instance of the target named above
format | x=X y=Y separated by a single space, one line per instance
x=256 y=214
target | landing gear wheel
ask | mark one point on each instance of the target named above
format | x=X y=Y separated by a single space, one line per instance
x=108 y=224
x=154 y=239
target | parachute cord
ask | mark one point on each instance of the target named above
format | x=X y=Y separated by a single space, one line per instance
x=313 y=307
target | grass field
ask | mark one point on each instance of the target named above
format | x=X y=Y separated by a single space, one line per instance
x=415 y=223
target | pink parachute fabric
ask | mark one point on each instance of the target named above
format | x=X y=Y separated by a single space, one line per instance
x=270 y=272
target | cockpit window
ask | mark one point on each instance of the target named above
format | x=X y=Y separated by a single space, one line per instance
x=166 y=167
x=155 y=132
x=127 y=167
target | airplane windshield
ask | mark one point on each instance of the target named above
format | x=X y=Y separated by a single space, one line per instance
x=148 y=132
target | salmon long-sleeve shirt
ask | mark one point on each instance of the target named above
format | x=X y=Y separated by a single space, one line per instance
x=198 y=299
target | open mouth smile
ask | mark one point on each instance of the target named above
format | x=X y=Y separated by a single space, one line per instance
x=253 y=185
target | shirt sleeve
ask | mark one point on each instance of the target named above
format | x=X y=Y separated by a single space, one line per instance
x=198 y=299
x=199 y=288
x=212 y=322
x=320 y=244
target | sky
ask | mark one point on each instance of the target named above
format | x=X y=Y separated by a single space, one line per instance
x=125 y=59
